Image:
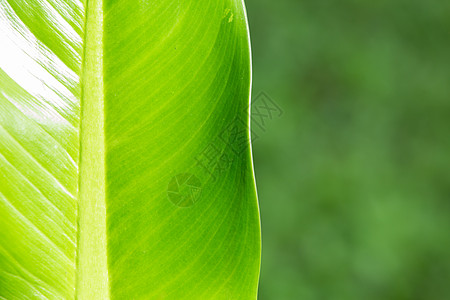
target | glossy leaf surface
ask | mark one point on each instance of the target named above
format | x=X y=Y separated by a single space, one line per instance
x=125 y=163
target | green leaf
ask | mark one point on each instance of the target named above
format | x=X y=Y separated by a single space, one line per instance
x=125 y=161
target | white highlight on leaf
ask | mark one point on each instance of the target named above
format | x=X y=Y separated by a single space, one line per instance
x=25 y=59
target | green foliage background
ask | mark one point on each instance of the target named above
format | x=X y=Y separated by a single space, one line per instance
x=354 y=178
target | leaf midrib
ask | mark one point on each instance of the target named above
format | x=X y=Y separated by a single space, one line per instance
x=91 y=266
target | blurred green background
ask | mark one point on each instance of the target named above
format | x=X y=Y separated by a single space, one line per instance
x=354 y=177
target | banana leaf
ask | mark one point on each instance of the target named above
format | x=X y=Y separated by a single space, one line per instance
x=125 y=158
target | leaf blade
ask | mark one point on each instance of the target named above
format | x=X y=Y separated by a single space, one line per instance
x=177 y=82
x=39 y=116
x=174 y=114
